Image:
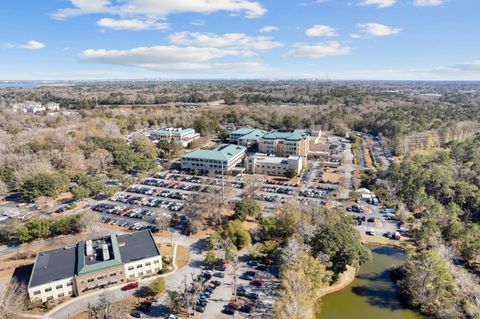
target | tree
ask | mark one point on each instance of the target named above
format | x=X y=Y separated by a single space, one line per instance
x=175 y=301
x=290 y=173
x=299 y=282
x=341 y=242
x=3 y=190
x=247 y=208
x=158 y=286
x=210 y=258
x=229 y=98
x=427 y=281
x=105 y=308
x=168 y=149
x=44 y=184
x=238 y=234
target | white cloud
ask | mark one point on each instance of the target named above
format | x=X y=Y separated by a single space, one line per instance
x=355 y=36
x=132 y=24
x=173 y=59
x=159 y=8
x=428 y=3
x=377 y=29
x=198 y=22
x=319 y=50
x=320 y=31
x=30 y=45
x=230 y=40
x=378 y=3
x=268 y=29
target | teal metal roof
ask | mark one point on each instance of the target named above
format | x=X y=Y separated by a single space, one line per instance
x=243 y=131
x=222 y=153
x=83 y=268
x=296 y=135
x=254 y=135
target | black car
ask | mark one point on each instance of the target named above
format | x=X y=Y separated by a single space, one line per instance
x=246 y=308
x=219 y=275
x=228 y=311
x=220 y=268
x=250 y=273
x=252 y=295
x=200 y=308
x=261 y=267
x=216 y=282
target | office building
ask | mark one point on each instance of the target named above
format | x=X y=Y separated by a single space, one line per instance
x=181 y=135
x=226 y=156
x=272 y=165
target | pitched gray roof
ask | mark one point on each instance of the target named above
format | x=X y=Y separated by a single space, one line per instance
x=136 y=246
x=53 y=265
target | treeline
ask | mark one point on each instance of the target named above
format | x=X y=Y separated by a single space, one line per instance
x=441 y=192
x=42 y=228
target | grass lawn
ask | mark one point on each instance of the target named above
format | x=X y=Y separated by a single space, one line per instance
x=183 y=256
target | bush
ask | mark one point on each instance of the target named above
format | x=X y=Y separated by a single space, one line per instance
x=158 y=286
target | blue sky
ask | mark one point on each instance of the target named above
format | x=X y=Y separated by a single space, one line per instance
x=338 y=39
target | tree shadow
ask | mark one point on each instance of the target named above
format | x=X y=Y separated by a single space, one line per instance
x=378 y=297
x=199 y=246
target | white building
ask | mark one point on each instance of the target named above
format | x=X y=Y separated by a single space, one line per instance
x=181 y=135
x=35 y=107
x=226 y=156
x=272 y=165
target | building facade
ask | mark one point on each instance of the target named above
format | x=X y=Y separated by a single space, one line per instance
x=285 y=143
x=225 y=157
x=247 y=137
x=180 y=135
x=272 y=165
x=93 y=264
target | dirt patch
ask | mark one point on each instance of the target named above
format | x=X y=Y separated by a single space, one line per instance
x=183 y=256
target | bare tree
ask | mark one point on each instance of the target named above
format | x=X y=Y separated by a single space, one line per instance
x=13 y=298
x=3 y=190
x=105 y=308
x=235 y=271
x=252 y=186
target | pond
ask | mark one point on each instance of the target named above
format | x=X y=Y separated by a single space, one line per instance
x=372 y=294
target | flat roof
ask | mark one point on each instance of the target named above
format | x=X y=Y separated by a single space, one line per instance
x=274 y=159
x=173 y=130
x=53 y=265
x=222 y=153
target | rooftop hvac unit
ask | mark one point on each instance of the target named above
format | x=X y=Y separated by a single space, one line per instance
x=105 y=252
x=88 y=248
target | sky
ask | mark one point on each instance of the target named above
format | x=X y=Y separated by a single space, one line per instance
x=226 y=39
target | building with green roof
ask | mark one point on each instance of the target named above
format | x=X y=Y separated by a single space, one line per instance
x=225 y=157
x=285 y=143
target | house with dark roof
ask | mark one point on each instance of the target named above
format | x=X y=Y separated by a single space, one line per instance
x=93 y=264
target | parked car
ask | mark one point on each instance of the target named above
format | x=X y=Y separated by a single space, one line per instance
x=130 y=286
x=219 y=275
x=200 y=308
x=228 y=311
x=233 y=305
x=257 y=282
x=252 y=295
x=137 y=314
x=247 y=308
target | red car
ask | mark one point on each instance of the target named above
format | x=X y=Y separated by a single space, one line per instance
x=233 y=305
x=258 y=283
x=130 y=286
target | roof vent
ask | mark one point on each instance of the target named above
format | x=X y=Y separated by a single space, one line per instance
x=122 y=244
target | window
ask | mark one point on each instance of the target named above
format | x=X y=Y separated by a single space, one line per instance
x=140 y=273
x=48 y=289
x=59 y=287
x=156 y=262
x=49 y=298
x=101 y=277
x=61 y=295
x=90 y=279
x=139 y=266
x=130 y=268
x=131 y=276
x=82 y=282
x=113 y=274
x=147 y=264
x=69 y=284
x=149 y=271
x=36 y=293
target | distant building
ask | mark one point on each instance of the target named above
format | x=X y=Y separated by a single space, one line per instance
x=35 y=107
x=93 y=264
x=285 y=143
x=226 y=156
x=272 y=165
x=246 y=136
x=181 y=135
